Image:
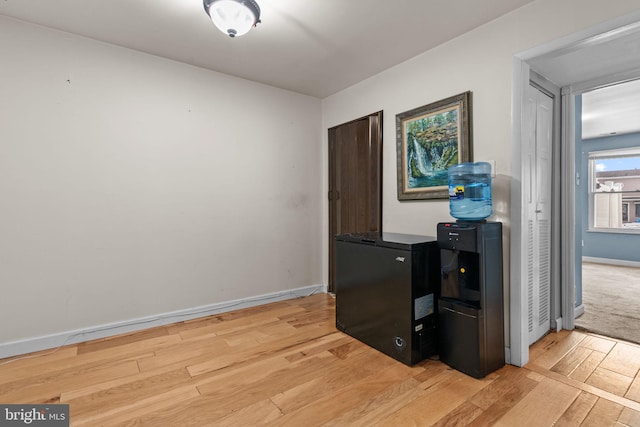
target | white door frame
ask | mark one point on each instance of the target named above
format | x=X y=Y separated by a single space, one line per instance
x=519 y=347
x=518 y=313
x=568 y=211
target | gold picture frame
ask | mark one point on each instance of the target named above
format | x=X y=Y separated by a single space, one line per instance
x=429 y=139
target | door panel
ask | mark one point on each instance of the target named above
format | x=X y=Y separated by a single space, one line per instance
x=544 y=125
x=538 y=211
x=355 y=180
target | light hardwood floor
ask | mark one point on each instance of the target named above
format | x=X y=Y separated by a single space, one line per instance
x=286 y=364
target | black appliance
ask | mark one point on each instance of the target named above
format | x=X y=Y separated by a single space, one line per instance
x=470 y=308
x=386 y=292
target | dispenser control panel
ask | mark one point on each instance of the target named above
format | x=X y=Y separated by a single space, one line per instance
x=458 y=236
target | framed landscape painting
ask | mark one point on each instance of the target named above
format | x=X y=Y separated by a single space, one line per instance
x=429 y=139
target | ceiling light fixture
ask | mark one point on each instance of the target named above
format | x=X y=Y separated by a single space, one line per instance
x=233 y=17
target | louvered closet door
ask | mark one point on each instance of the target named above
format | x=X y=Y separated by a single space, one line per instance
x=538 y=213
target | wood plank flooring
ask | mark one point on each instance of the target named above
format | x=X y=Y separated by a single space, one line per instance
x=285 y=364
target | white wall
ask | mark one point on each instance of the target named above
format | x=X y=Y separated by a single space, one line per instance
x=480 y=61
x=133 y=186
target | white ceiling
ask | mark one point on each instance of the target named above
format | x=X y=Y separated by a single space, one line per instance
x=314 y=47
x=599 y=61
x=611 y=110
x=319 y=47
x=613 y=53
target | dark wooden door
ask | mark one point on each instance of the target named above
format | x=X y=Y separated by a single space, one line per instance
x=355 y=180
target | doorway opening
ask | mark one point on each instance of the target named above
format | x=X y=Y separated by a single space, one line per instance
x=608 y=297
x=605 y=57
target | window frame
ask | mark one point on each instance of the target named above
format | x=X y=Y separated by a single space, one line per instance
x=592 y=157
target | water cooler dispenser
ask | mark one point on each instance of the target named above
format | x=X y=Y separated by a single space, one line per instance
x=470 y=321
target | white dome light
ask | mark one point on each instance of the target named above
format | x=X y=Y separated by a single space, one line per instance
x=233 y=17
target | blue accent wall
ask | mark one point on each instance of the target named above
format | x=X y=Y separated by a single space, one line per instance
x=599 y=244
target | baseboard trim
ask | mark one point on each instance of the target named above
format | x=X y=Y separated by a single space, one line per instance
x=611 y=261
x=30 y=345
x=558 y=324
x=579 y=311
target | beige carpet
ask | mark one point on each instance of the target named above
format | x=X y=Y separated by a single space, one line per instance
x=611 y=298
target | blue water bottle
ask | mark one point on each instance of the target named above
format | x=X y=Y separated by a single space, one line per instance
x=470 y=191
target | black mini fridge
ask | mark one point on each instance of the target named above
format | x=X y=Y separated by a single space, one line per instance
x=386 y=292
x=471 y=325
